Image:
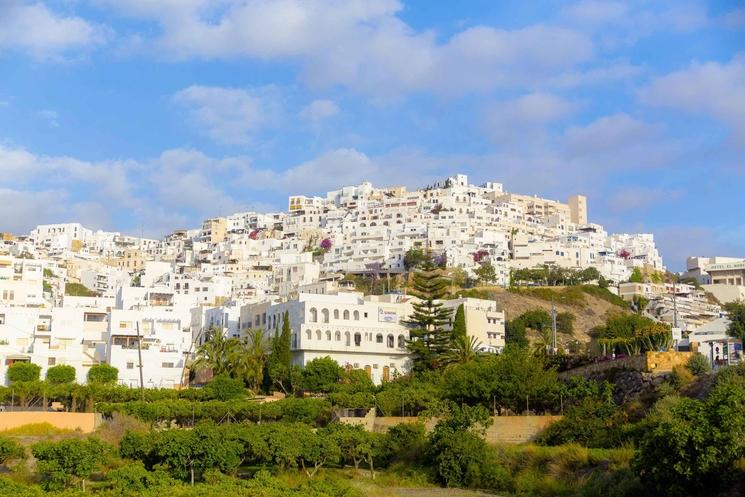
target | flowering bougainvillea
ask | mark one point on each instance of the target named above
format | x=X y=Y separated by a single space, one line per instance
x=479 y=256
x=326 y=244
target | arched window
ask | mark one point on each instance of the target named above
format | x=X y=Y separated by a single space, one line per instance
x=356 y=315
x=390 y=341
x=401 y=342
x=379 y=338
x=336 y=313
x=309 y=334
x=325 y=315
x=357 y=339
x=318 y=334
x=338 y=336
x=346 y=339
x=328 y=335
x=346 y=315
x=313 y=315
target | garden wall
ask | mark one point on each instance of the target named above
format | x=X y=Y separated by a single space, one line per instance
x=86 y=422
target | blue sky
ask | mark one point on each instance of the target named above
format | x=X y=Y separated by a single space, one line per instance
x=150 y=115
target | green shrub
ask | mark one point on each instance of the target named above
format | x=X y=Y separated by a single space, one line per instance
x=23 y=371
x=184 y=412
x=223 y=387
x=61 y=374
x=10 y=450
x=698 y=364
x=63 y=463
x=102 y=374
x=134 y=478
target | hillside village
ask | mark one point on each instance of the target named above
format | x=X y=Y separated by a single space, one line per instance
x=340 y=266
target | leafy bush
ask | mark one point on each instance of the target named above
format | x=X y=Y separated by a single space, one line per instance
x=102 y=374
x=591 y=423
x=134 y=478
x=698 y=364
x=223 y=387
x=23 y=371
x=63 y=463
x=10 y=450
x=61 y=374
x=184 y=412
x=690 y=446
x=321 y=375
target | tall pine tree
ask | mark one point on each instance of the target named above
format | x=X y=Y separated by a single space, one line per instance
x=429 y=341
x=280 y=360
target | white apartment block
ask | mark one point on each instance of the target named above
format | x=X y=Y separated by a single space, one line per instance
x=357 y=332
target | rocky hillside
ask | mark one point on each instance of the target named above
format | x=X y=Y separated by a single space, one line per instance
x=589 y=310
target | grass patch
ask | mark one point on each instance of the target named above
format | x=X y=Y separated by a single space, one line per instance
x=570 y=295
x=605 y=294
x=37 y=430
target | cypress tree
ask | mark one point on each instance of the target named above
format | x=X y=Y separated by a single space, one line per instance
x=459 y=324
x=280 y=360
x=429 y=341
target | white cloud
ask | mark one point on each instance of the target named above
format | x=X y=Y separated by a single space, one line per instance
x=35 y=29
x=361 y=44
x=319 y=110
x=50 y=116
x=595 y=12
x=228 y=115
x=609 y=133
x=524 y=118
x=640 y=198
x=709 y=88
x=735 y=19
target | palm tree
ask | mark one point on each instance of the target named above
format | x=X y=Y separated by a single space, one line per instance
x=215 y=353
x=463 y=349
x=249 y=359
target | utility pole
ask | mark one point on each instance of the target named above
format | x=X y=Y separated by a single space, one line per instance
x=553 y=325
x=675 y=308
x=139 y=359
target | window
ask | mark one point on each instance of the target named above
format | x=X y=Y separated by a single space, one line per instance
x=325 y=315
x=338 y=336
x=125 y=324
x=390 y=341
x=346 y=339
x=356 y=315
x=328 y=335
x=51 y=361
x=130 y=365
x=357 y=339
x=365 y=314
x=401 y=342
x=309 y=334
x=318 y=334
x=313 y=315
x=166 y=365
x=378 y=338
x=336 y=313
x=346 y=315
x=2 y=318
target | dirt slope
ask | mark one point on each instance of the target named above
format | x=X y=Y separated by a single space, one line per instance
x=591 y=313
